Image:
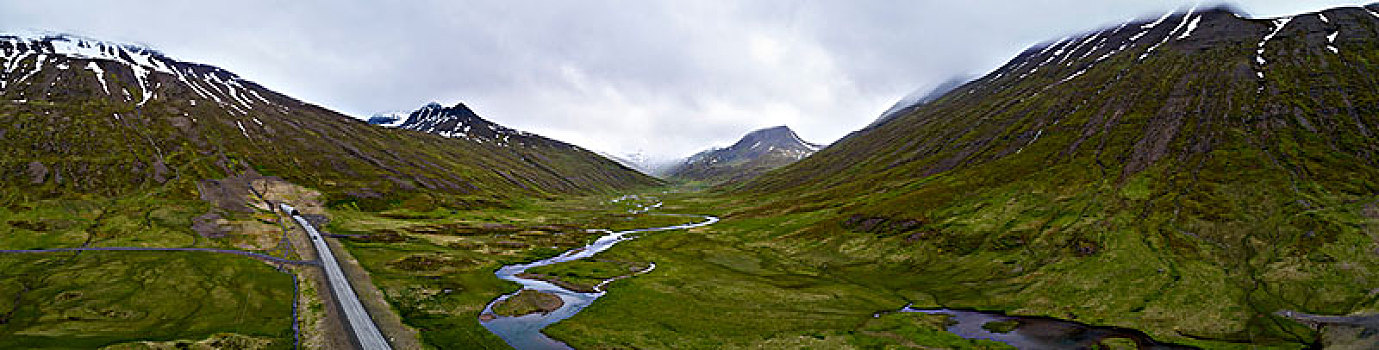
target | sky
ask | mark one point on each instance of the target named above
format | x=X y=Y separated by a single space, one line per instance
x=664 y=79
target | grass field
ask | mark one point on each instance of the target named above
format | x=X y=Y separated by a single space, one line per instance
x=96 y=299
x=800 y=280
x=765 y=277
x=585 y=274
x=436 y=267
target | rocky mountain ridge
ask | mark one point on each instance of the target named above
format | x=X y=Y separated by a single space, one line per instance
x=87 y=115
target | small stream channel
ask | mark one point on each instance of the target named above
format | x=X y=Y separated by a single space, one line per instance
x=1031 y=333
x=1040 y=333
x=524 y=332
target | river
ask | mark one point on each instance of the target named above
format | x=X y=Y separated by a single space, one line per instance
x=524 y=332
x=1040 y=333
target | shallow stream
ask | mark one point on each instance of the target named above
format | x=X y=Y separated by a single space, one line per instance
x=1040 y=333
x=524 y=332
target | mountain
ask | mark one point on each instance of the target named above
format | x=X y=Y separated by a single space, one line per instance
x=641 y=162
x=388 y=119
x=918 y=98
x=87 y=117
x=1192 y=176
x=459 y=122
x=757 y=152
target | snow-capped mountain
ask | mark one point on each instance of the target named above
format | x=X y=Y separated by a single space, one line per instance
x=1202 y=138
x=757 y=152
x=149 y=71
x=86 y=116
x=460 y=122
x=388 y=119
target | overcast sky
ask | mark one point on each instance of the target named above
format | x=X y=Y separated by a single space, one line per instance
x=666 y=78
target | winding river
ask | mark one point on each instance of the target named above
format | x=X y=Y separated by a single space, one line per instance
x=524 y=332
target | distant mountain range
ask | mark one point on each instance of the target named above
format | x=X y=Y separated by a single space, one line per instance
x=1203 y=177
x=757 y=152
x=88 y=116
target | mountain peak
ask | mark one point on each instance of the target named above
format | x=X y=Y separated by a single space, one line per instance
x=781 y=130
x=148 y=72
x=460 y=122
x=77 y=46
x=778 y=137
x=1222 y=9
x=388 y=119
x=757 y=152
x=188 y=114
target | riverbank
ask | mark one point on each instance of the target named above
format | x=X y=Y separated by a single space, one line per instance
x=586 y=275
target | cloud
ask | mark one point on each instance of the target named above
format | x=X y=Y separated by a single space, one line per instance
x=668 y=78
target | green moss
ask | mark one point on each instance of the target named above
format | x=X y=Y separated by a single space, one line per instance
x=585 y=274
x=1001 y=326
x=528 y=302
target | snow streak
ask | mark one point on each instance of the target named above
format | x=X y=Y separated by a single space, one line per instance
x=100 y=75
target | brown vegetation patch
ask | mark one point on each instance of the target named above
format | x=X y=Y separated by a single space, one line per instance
x=430 y=262
x=511 y=244
x=381 y=236
x=211 y=225
x=29 y=225
x=218 y=341
x=880 y=224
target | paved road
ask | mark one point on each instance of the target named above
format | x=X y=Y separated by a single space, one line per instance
x=154 y=249
x=365 y=331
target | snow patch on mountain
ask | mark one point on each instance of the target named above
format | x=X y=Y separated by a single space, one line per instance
x=100 y=75
x=459 y=122
x=25 y=54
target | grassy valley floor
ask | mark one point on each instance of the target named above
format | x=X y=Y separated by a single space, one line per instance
x=436 y=266
x=138 y=300
x=733 y=284
x=769 y=277
x=771 y=281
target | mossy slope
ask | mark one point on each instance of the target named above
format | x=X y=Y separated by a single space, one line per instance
x=1140 y=176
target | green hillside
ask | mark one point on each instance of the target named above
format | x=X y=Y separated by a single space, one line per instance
x=1148 y=177
x=109 y=145
x=1164 y=176
x=74 y=130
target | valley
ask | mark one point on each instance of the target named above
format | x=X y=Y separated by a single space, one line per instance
x=1202 y=179
x=750 y=281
